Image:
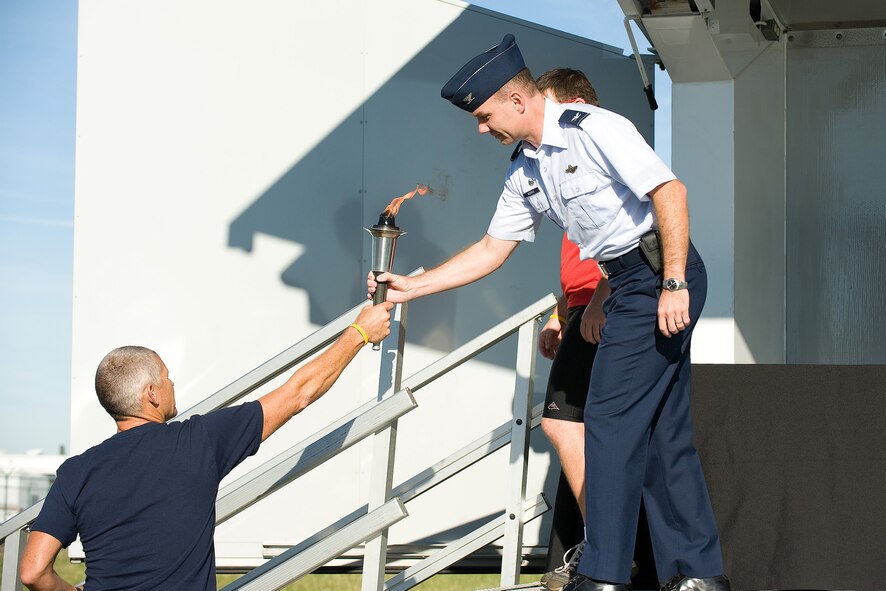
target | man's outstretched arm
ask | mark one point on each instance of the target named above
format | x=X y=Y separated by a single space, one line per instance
x=314 y=379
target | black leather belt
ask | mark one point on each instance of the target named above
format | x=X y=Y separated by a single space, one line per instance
x=619 y=264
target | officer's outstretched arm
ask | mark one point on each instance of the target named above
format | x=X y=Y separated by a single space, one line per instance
x=473 y=263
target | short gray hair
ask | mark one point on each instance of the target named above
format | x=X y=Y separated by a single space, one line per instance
x=122 y=375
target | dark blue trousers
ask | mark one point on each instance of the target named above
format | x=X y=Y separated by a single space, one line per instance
x=638 y=437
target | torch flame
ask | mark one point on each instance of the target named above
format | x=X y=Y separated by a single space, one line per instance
x=394 y=207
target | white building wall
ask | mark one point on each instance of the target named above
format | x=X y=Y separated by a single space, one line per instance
x=729 y=149
x=760 y=209
x=228 y=156
x=836 y=200
x=703 y=150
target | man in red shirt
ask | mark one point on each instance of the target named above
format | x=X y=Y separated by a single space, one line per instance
x=570 y=339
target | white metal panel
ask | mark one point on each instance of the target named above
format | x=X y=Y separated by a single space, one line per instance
x=836 y=200
x=760 y=209
x=687 y=48
x=817 y=14
x=729 y=150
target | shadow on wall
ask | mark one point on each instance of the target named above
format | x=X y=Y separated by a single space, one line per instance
x=378 y=152
x=405 y=134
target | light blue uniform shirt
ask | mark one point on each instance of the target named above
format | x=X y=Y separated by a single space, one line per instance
x=590 y=176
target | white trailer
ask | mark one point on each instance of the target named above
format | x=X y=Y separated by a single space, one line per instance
x=229 y=156
x=25 y=479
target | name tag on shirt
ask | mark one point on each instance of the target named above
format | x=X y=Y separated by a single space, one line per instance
x=531 y=192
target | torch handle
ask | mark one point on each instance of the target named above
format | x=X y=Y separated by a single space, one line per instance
x=381 y=293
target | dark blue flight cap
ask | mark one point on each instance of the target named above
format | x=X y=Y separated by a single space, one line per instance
x=481 y=77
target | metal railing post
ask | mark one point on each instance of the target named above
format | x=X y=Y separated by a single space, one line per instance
x=13 y=547
x=512 y=551
x=384 y=443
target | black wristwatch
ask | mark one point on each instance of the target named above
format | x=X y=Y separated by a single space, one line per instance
x=674 y=284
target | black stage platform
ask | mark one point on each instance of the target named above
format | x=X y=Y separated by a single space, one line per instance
x=795 y=460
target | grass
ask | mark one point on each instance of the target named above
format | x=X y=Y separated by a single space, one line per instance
x=75 y=573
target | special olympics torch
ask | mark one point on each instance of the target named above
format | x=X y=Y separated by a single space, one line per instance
x=384 y=242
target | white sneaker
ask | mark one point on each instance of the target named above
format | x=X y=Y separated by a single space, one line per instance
x=557 y=578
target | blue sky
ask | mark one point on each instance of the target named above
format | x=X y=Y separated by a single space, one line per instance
x=38 y=59
x=37 y=86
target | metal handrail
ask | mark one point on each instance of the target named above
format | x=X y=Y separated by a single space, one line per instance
x=231 y=393
x=292 y=564
x=426 y=480
x=20 y=520
x=289 y=465
x=363 y=422
x=236 y=390
x=300 y=459
x=280 y=363
x=467 y=545
x=435 y=475
x=275 y=366
x=475 y=346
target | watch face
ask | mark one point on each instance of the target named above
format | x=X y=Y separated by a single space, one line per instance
x=672 y=284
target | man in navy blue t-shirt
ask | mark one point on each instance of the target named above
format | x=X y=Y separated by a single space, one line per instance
x=143 y=501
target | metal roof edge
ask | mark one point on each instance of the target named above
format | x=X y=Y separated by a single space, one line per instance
x=572 y=37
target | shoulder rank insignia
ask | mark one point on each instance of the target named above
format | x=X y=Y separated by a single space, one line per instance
x=571 y=117
x=516 y=151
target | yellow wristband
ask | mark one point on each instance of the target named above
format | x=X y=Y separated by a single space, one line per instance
x=362 y=332
x=558 y=317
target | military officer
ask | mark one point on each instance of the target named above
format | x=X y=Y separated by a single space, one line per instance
x=591 y=173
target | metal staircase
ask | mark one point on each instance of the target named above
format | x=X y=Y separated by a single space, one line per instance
x=376 y=420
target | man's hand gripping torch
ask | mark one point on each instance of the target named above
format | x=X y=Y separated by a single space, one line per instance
x=384 y=242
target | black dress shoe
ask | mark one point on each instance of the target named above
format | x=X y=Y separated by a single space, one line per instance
x=684 y=583
x=582 y=583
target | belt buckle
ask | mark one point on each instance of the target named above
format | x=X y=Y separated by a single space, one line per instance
x=603 y=269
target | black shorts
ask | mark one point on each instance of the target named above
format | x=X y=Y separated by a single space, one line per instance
x=570 y=373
